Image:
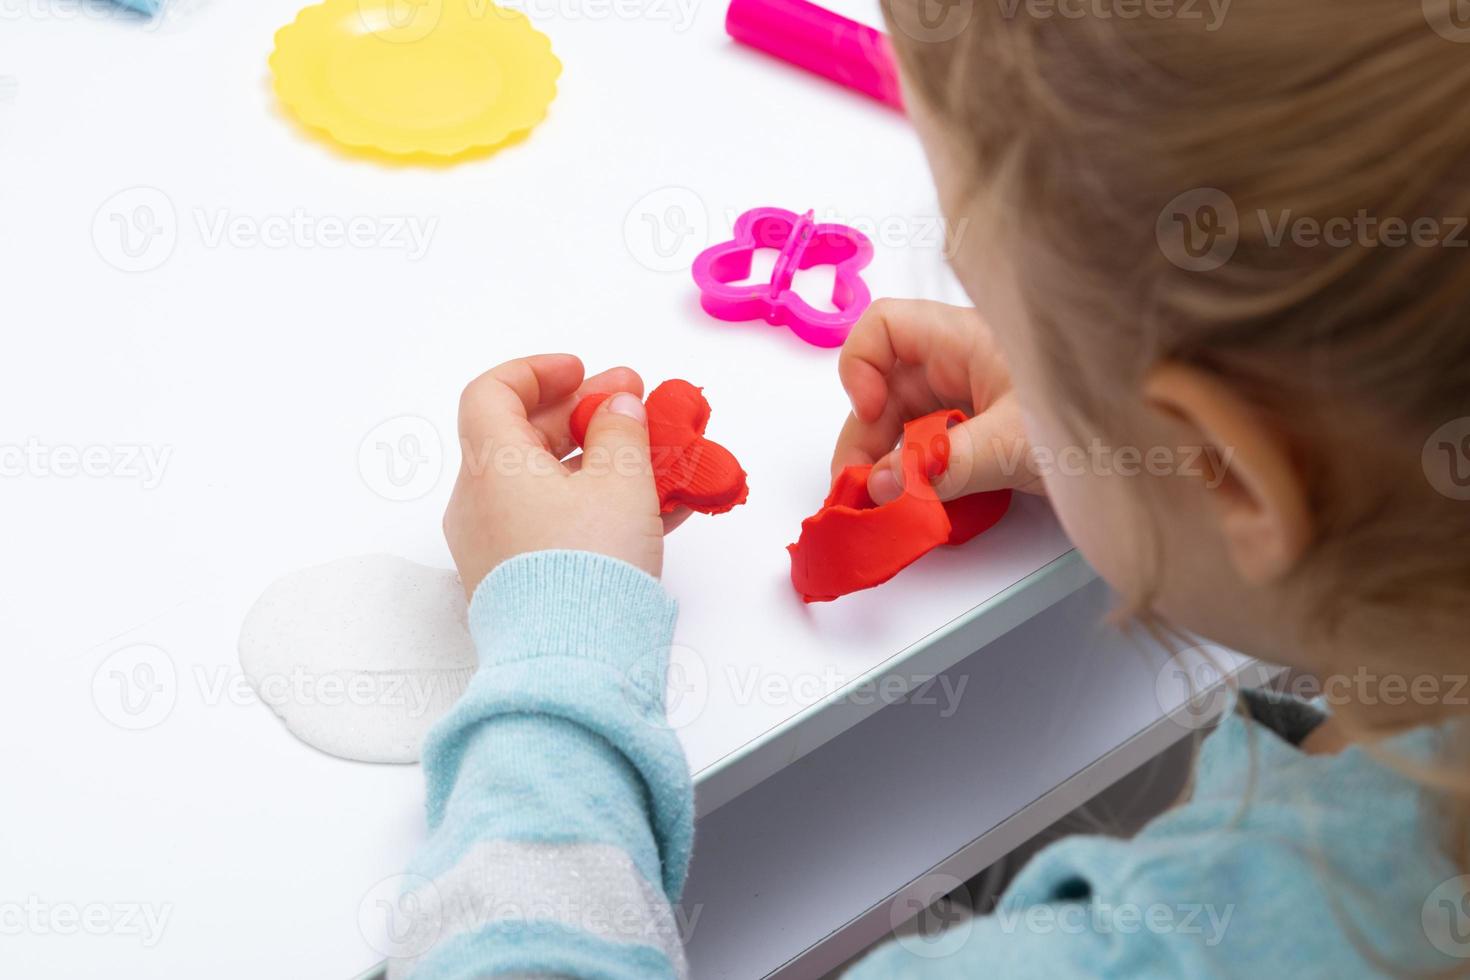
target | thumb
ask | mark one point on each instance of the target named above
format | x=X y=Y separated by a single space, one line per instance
x=987 y=452
x=617 y=439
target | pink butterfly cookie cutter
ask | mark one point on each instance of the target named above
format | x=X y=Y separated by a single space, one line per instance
x=802 y=244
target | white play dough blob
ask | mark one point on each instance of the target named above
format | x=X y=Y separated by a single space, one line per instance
x=360 y=656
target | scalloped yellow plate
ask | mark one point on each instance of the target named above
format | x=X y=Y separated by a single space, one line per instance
x=407 y=77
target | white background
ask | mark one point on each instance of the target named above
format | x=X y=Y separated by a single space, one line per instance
x=261 y=372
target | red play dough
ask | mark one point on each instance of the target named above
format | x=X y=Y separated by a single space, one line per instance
x=852 y=543
x=688 y=469
x=582 y=416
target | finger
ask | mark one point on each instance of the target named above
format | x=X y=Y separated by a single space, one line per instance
x=889 y=479
x=678 y=516
x=495 y=407
x=886 y=481
x=553 y=420
x=616 y=449
x=862 y=443
x=987 y=452
x=934 y=335
x=671 y=520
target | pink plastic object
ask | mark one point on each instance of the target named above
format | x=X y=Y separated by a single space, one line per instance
x=820 y=41
x=803 y=244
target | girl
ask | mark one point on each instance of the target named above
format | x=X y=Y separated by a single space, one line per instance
x=1234 y=232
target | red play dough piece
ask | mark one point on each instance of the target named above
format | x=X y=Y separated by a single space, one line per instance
x=582 y=416
x=852 y=543
x=688 y=469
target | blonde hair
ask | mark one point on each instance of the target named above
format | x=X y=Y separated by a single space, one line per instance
x=1083 y=135
x=1080 y=132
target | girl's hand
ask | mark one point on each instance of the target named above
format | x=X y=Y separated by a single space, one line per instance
x=515 y=495
x=907 y=358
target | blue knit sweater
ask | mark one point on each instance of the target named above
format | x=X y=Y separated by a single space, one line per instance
x=561 y=821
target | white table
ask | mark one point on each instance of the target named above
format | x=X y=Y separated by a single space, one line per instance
x=261 y=374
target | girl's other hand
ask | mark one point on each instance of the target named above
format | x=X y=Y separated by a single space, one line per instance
x=907 y=358
x=515 y=495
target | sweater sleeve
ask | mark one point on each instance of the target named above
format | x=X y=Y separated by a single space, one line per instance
x=560 y=805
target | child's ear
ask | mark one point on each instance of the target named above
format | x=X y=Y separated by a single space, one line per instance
x=1250 y=476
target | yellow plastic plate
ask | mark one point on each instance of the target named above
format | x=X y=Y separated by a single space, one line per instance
x=407 y=77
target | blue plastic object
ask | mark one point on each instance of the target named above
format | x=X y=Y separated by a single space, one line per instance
x=142 y=6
